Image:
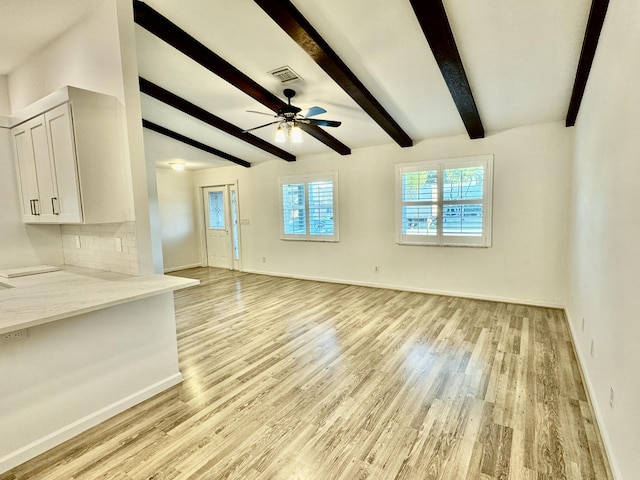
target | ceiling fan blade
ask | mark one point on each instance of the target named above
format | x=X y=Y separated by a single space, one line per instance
x=320 y=123
x=311 y=112
x=265 y=125
x=262 y=113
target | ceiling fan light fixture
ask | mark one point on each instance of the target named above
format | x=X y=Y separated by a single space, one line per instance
x=289 y=120
x=281 y=137
x=296 y=134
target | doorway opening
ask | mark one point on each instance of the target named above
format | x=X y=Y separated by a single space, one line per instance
x=221 y=219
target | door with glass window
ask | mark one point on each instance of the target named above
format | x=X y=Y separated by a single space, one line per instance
x=217 y=222
x=221 y=223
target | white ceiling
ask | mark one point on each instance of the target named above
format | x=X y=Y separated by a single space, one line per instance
x=520 y=58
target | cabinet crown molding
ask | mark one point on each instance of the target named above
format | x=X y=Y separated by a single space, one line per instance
x=60 y=96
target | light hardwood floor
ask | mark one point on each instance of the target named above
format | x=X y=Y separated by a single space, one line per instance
x=291 y=379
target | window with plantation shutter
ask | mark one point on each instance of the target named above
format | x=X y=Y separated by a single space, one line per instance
x=445 y=202
x=294 y=209
x=309 y=207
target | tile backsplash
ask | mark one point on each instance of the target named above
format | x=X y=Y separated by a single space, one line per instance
x=111 y=247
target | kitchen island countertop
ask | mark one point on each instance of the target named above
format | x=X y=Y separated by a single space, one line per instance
x=46 y=297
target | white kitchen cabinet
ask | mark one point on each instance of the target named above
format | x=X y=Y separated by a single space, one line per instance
x=71 y=161
x=47 y=168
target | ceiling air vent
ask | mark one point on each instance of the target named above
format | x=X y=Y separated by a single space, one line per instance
x=285 y=74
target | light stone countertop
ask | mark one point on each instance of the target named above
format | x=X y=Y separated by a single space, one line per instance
x=47 y=297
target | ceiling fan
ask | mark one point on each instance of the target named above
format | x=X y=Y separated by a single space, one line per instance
x=290 y=116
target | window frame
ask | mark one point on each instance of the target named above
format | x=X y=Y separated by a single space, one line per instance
x=440 y=165
x=306 y=179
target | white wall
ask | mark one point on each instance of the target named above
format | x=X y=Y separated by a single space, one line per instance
x=86 y=56
x=5 y=105
x=527 y=262
x=605 y=232
x=176 y=196
x=143 y=175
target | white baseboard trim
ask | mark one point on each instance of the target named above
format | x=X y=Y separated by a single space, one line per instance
x=69 y=431
x=404 y=288
x=606 y=441
x=183 y=267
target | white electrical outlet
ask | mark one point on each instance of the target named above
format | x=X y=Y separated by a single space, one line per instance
x=15 y=335
x=611 y=397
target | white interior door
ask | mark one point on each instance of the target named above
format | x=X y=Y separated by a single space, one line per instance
x=218 y=227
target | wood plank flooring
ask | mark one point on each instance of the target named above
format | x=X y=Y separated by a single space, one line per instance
x=291 y=379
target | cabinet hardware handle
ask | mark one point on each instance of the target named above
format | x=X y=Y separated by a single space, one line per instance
x=34 y=206
x=54 y=201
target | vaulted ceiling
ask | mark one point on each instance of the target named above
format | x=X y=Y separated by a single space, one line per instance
x=391 y=71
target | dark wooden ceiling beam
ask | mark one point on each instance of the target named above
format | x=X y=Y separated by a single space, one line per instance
x=435 y=26
x=165 y=96
x=194 y=143
x=285 y=14
x=589 y=45
x=169 y=32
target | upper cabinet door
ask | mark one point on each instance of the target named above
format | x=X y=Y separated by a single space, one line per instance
x=36 y=172
x=45 y=171
x=28 y=180
x=65 y=202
